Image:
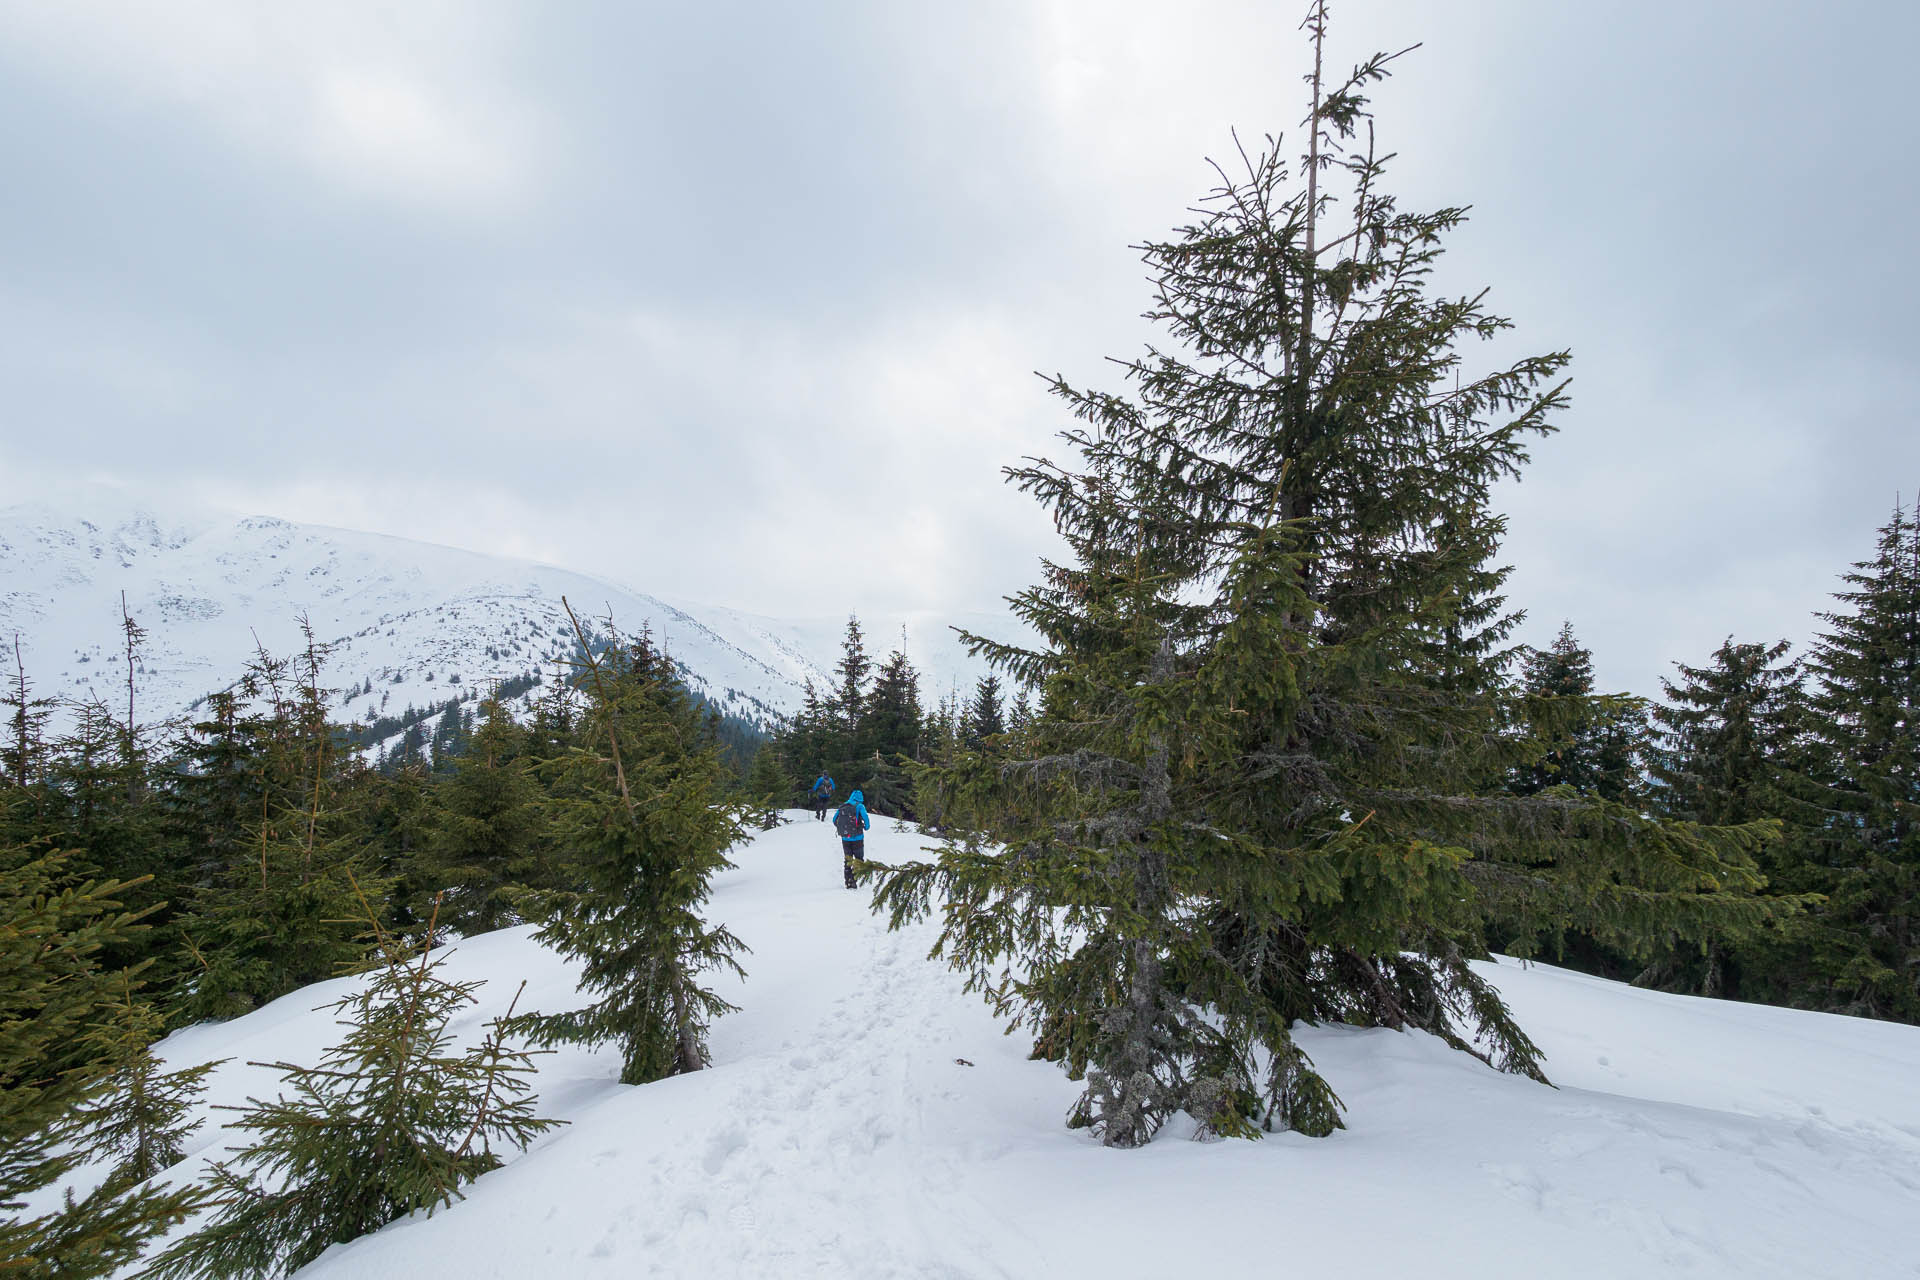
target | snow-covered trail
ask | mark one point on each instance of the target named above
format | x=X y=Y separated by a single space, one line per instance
x=827 y=1141
x=837 y=1135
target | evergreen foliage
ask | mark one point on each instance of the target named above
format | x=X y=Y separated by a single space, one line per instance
x=1273 y=760
x=850 y=698
x=54 y=924
x=1254 y=789
x=1726 y=731
x=390 y=1121
x=869 y=734
x=1865 y=727
x=644 y=802
x=985 y=718
x=484 y=852
x=555 y=717
x=1596 y=744
x=768 y=787
x=892 y=722
x=27 y=718
x=283 y=915
x=250 y=826
x=137 y=1118
x=1731 y=749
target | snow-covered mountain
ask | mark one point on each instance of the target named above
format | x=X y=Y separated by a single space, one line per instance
x=866 y=1117
x=411 y=624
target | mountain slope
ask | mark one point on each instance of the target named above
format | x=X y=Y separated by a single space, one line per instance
x=865 y=1117
x=410 y=624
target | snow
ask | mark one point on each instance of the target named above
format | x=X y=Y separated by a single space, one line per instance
x=411 y=623
x=864 y=1118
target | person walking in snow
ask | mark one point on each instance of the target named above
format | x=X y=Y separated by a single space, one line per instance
x=851 y=822
x=821 y=793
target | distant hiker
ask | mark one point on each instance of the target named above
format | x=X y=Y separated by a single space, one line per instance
x=820 y=795
x=851 y=822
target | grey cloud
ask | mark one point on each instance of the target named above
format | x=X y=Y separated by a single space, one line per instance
x=747 y=287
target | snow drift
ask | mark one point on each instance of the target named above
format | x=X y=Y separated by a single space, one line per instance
x=864 y=1117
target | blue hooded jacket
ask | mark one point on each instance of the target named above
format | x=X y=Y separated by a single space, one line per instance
x=860 y=807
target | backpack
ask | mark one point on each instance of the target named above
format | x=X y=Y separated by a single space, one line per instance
x=846 y=821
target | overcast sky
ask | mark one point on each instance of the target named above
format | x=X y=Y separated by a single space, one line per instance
x=742 y=302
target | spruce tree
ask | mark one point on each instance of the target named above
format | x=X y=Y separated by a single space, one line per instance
x=98 y=800
x=768 y=786
x=1726 y=730
x=24 y=751
x=1020 y=714
x=891 y=728
x=214 y=786
x=390 y=1121
x=891 y=725
x=483 y=851
x=1866 y=727
x=54 y=925
x=138 y=1118
x=554 y=718
x=985 y=717
x=283 y=915
x=1731 y=750
x=810 y=742
x=1254 y=790
x=850 y=698
x=644 y=803
x=1594 y=744
x=938 y=750
x=389 y=817
x=132 y=748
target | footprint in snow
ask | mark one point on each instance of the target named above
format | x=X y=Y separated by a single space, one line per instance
x=721 y=1148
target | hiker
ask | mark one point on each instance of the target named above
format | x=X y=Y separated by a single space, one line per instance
x=851 y=822
x=821 y=796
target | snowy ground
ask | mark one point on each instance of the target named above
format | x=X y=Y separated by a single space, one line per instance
x=841 y=1134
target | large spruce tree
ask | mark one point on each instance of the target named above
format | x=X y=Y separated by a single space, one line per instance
x=1866 y=723
x=1253 y=793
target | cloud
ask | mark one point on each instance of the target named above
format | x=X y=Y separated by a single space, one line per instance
x=742 y=301
x=411 y=103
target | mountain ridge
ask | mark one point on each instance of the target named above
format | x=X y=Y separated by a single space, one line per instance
x=410 y=624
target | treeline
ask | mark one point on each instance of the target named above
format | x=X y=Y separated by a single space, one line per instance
x=154 y=876
x=1824 y=748
x=872 y=731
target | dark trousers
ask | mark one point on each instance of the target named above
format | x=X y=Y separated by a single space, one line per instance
x=852 y=851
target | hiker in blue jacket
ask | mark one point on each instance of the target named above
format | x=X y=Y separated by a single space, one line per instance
x=851 y=821
x=821 y=793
